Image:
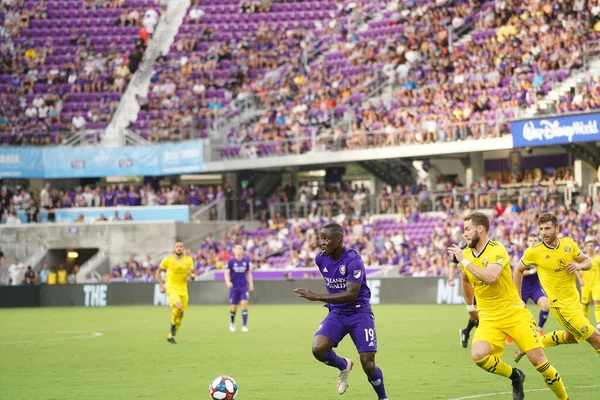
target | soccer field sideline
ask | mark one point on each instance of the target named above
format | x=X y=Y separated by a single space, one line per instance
x=129 y=357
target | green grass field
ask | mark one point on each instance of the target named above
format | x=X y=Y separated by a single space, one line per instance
x=122 y=353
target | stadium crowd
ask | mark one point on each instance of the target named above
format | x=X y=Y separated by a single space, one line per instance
x=17 y=275
x=412 y=242
x=62 y=71
x=311 y=65
x=50 y=199
x=444 y=93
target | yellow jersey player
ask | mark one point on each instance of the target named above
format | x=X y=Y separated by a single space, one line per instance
x=178 y=267
x=486 y=273
x=557 y=261
x=590 y=289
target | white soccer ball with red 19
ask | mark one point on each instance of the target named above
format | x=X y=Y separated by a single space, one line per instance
x=223 y=388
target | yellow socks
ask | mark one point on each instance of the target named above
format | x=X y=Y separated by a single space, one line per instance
x=554 y=339
x=179 y=320
x=174 y=315
x=495 y=365
x=553 y=380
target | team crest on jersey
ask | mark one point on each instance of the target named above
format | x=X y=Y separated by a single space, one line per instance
x=568 y=249
x=357 y=274
x=343 y=270
x=585 y=330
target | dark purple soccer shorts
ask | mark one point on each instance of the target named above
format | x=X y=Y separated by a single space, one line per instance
x=236 y=295
x=360 y=327
x=533 y=294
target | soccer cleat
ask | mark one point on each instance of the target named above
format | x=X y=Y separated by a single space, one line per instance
x=518 y=355
x=342 y=383
x=244 y=328
x=509 y=340
x=517 y=385
x=171 y=340
x=542 y=332
x=231 y=328
x=464 y=338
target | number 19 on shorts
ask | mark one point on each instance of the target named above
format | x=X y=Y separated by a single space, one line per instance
x=369 y=334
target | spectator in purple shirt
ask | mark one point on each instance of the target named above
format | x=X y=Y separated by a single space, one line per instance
x=194 y=197
x=134 y=198
x=121 y=196
x=108 y=198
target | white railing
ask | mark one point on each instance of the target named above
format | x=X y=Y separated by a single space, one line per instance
x=88 y=273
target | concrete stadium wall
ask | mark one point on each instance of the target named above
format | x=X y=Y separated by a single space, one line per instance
x=119 y=239
x=384 y=291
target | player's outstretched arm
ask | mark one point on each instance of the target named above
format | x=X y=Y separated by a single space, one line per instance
x=469 y=296
x=250 y=280
x=159 y=279
x=518 y=276
x=451 y=273
x=580 y=278
x=349 y=296
x=228 y=278
x=583 y=264
x=489 y=275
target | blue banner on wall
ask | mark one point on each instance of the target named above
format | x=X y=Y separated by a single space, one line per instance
x=158 y=213
x=556 y=130
x=21 y=162
x=91 y=162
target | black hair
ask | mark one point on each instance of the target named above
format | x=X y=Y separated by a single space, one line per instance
x=336 y=228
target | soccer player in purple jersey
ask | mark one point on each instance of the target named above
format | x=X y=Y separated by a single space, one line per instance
x=528 y=283
x=238 y=278
x=348 y=301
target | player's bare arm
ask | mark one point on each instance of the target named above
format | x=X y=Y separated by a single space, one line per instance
x=520 y=270
x=191 y=274
x=488 y=275
x=228 y=278
x=159 y=280
x=250 y=280
x=451 y=274
x=349 y=296
x=580 y=278
x=469 y=296
x=581 y=263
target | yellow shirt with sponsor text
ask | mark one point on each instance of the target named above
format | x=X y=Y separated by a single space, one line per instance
x=177 y=272
x=559 y=285
x=499 y=300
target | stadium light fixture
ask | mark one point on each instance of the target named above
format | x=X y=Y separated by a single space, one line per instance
x=72 y=254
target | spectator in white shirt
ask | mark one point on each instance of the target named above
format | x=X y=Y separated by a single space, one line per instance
x=78 y=122
x=38 y=101
x=31 y=112
x=13 y=219
x=16 y=272
x=150 y=20
x=195 y=15
x=45 y=195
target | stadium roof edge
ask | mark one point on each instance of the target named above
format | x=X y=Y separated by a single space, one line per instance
x=330 y=157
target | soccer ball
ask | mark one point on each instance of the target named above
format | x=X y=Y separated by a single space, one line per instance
x=223 y=388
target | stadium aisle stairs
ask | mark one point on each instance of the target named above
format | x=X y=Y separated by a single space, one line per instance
x=575 y=80
x=116 y=133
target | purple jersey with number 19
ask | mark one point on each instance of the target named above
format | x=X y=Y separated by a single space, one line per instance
x=348 y=268
x=355 y=319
